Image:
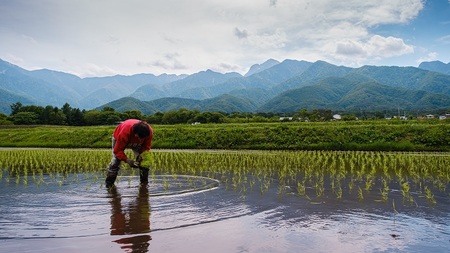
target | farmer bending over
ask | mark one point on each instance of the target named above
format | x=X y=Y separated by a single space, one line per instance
x=136 y=135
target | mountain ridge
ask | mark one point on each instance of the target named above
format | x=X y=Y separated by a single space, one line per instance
x=265 y=87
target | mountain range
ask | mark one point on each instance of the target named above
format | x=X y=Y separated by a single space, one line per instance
x=272 y=86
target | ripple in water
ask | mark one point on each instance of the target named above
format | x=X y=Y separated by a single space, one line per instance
x=82 y=210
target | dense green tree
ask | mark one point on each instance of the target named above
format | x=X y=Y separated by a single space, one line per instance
x=314 y=115
x=302 y=115
x=171 y=117
x=182 y=116
x=52 y=116
x=216 y=117
x=109 y=118
x=209 y=117
x=260 y=119
x=3 y=116
x=201 y=117
x=15 y=108
x=134 y=114
x=348 y=117
x=91 y=117
x=24 y=118
x=74 y=117
x=77 y=118
x=4 y=119
x=68 y=111
x=108 y=109
x=39 y=110
x=155 y=118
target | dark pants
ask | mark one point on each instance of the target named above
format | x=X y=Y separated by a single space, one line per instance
x=114 y=167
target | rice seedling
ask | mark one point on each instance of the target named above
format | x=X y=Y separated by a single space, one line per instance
x=323 y=172
x=430 y=196
x=360 y=194
x=384 y=190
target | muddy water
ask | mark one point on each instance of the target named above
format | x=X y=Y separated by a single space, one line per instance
x=196 y=214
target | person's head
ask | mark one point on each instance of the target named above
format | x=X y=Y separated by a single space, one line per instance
x=141 y=129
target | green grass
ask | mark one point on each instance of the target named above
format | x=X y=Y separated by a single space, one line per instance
x=363 y=135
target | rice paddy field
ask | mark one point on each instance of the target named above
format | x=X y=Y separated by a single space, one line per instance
x=54 y=200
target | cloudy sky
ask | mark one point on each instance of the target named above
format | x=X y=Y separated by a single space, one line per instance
x=108 y=37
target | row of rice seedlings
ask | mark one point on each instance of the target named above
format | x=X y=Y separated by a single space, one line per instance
x=310 y=173
x=364 y=170
x=57 y=165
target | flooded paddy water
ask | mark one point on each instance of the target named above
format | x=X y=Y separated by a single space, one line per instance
x=219 y=212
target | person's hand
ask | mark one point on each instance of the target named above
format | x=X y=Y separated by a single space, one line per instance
x=132 y=163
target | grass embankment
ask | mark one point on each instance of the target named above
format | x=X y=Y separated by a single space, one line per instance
x=361 y=135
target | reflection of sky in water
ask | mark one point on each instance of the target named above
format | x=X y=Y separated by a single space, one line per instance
x=199 y=217
x=349 y=232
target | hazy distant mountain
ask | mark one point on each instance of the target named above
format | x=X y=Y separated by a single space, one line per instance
x=256 y=95
x=351 y=92
x=436 y=66
x=256 y=68
x=206 y=78
x=407 y=77
x=111 y=88
x=67 y=81
x=18 y=82
x=313 y=73
x=272 y=86
x=148 y=92
x=224 y=103
x=266 y=79
x=129 y=104
x=8 y=98
x=227 y=103
x=47 y=87
x=347 y=93
x=189 y=87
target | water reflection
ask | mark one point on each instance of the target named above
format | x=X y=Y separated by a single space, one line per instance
x=131 y=218
x=80 y=217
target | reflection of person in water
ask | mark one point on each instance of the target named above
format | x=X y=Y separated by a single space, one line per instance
x=131 y=219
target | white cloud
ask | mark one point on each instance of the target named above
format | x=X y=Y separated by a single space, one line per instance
x=168 y=61
x=351 y=48
x=271 y=40
x=376 y=47
x=445 y=39
x=379 y=46
x=189 y=36
x=92 y=69
x=433 y=56
x=14 y=59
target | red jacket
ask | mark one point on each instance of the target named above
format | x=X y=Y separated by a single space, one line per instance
x=125 y=138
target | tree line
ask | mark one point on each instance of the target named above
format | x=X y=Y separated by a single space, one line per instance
x=67 y=115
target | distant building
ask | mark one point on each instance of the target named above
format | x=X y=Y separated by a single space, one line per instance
x=445 y=116
x=401 y=117
x=337 y=117
x=429 y=116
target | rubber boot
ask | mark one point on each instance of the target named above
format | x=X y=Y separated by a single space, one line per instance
x=110 y=179
x=143 y=175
